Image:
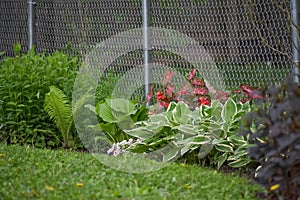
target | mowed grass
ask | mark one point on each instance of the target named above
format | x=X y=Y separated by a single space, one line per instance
x=30 y=173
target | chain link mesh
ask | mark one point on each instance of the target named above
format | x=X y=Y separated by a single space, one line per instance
x=249 y=40
x=13 y=25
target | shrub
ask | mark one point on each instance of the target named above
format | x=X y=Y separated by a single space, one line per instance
x=210 y=131
x=24 y=82
x=274 y=131
x=115 y=115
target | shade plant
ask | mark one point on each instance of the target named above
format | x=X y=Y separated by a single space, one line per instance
x=191 y=121
x=116 y=115
x=274 y=134
x=208 y=132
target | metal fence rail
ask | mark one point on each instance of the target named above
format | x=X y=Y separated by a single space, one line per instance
x=249 y=40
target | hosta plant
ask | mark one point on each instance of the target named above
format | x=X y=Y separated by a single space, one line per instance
x=116 y=115
x=274 y=132
x=211 y=131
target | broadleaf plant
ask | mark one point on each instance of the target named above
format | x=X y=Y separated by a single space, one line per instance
x=274 y=133
x=210 y=131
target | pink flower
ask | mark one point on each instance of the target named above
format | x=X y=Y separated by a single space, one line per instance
x=168 y=77
x=169 y=90
x=192 y=74
x=198 y=83
x=200 y=91
x=246 y=89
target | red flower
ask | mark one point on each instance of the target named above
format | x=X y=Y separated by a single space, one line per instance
x=203 y=101
x=192 y=74
x=160 y=96
x=164 y=104
x=200 y=91
x=168 y=77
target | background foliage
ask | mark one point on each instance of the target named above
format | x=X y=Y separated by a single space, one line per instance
x=24 y=82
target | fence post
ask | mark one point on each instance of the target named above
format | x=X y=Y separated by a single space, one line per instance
x=147 y=46
x=31 y=22
x=295 y=23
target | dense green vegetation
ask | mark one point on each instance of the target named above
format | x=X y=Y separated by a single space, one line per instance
x=205 y=130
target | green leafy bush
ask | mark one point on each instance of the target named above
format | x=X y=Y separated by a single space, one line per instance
x=24 y=82
x=211 y=131
x=274 y=132
x=116 y=115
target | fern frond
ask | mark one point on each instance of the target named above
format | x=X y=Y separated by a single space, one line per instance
x=59 y=109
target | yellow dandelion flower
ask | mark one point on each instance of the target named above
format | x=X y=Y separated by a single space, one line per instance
x=274 y=187
x=1 y=154
x=49 y=188
x=188 y=186
x=79 y=184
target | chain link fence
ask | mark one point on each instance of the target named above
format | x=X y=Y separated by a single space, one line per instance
x=249 y=40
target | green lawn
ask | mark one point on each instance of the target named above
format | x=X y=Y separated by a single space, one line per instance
x=29 y=173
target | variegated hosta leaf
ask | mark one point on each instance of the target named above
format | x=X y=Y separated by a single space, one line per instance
x=229 y=110
x=181 y=113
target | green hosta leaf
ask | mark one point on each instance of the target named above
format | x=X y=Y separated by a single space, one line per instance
x=205 y=150
x=221 y=159
x=160 y=118
x=141 y=114
x=216 y=110
x=187 y=129
x=181 y=113
x=105 y=113
x=171 y=106
x=121 y=105
x=113 y=132
x=205 y=111
x=170 y=153
x=224 y=148
x=240 y=162
x=229 y=110
x=237 y=140
x=141 y=132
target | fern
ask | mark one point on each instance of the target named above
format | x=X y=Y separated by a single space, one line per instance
x=58 y=107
